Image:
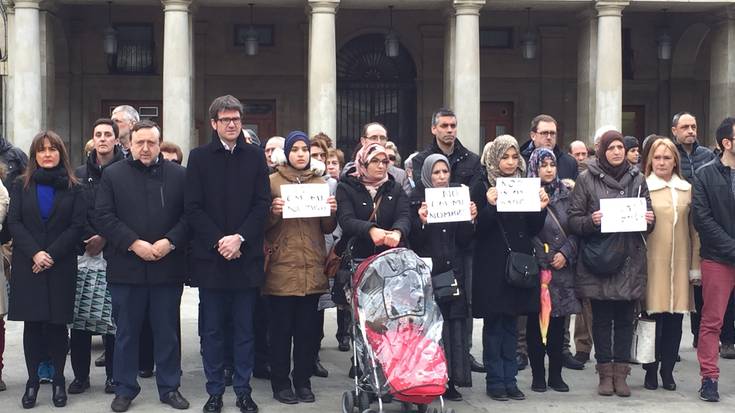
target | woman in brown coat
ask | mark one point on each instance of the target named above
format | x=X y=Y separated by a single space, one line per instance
x=673 y=258
x=295 y=277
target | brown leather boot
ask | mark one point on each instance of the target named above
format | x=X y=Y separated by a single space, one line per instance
x=605 y=370
x=620 y=374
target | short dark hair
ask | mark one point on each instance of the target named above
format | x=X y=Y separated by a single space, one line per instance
x=109 y=122
x=440 y=113
x=675 y=119
x=324 y=137
x=724 y=131
x=146 y=124
x=367 y=125
x=226 y=102
x=170 y=147
x=542 y=118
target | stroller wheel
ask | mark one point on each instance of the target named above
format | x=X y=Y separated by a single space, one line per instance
x=348 y=402
x=363 y=401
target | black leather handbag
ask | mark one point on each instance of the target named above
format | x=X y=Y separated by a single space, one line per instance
x=446 y=287
x=521 y=269
x=604 y=254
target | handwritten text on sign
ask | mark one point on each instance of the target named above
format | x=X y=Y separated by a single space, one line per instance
x=448 y=204
x=305 y=200
x=623 y=215
x=518 y=194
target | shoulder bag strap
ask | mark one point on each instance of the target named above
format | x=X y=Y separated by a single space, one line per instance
x=505 y=238
x=374 y=214
x=553 y=216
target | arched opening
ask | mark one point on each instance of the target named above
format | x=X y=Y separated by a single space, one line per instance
x=372 y=87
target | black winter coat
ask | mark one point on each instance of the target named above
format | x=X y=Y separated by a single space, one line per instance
x=134 y=202
x=90 y=175
x=465 y=164
x=691 y=162
x=566 y=166
x=15 y=161
x=491 y=294
x=49 y=295
x=712 y=209
x=443 y=243
x=354 y=206
x=227 y=193
x=558 y=237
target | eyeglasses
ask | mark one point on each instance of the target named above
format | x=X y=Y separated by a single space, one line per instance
x=226 y=121
x=547 y=133
x=392 y=158
x=377 y=138
x=385 y=162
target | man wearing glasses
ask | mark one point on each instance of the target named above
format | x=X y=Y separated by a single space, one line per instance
x=543 y=135
x=227 y=201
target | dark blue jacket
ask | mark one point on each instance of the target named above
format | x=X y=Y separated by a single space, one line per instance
x=691 y=162
x=712 y=208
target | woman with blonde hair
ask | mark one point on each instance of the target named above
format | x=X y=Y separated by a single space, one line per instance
x=673 y=258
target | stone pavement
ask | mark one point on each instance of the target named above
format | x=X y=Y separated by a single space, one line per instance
x=582 y=397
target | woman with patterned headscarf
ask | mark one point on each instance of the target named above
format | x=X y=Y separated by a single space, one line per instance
x=556 y=252
x=493 y=298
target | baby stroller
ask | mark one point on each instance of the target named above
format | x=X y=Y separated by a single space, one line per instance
x=397 y=328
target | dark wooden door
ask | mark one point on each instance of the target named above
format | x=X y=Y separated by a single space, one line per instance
x=496 y=118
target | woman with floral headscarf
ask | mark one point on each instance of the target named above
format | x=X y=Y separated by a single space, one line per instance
x=493 y=299
x=556 y=252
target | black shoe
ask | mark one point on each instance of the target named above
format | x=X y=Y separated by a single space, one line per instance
x=58 y=394
x=145 y=373
x=522 y=361
x=582 y=356
x=708 y=391
x=476 y=366
x=319 y=370
x=305 y=395
x=498 y=395
x=175 y=400
x=538 y=384
x=667 y=381
x=109 y=386
x=228 y=376
x=344 y=344
x=78 y=386
x=452 y=394
x=99 y=361
x=515 y=393
x=678 y=358
x=121 y=403
x=650 y=381
x=30 y=395
x=558 y=385
x=246 y=404
x=568 y=361
x=213 y=404
x=285 y=396
x=262 y=372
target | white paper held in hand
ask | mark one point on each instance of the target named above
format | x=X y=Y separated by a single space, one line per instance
x=448 y=204
x=623 y=215
x=305 y=200
x=518 y=194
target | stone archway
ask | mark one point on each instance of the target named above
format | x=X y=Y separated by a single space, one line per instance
x=684 y=60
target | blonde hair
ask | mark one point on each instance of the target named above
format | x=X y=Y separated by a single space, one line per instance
x=392 y=145
x=666 y=142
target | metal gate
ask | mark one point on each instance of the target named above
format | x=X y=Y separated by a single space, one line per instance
x=372 y=87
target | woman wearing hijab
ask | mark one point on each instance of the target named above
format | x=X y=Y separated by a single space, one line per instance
x=373 y=209
x=673 y=258
x=295 y=277
x=493 y=299
x=556 y=252
x=46 y=219
x=613 y=290
x=443 y=243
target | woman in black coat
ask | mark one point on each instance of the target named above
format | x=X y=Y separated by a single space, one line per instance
x=444 y=243
x=46 y=220
x=372 y=208
x=493 y=299
x=556 y=252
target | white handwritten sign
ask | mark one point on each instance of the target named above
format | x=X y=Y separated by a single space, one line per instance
x=518 y=194
x=623 y=215
x=305 y=200
x=448 y=204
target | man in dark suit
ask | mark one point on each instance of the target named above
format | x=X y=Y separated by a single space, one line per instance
x=140 y=211
x=227 y=201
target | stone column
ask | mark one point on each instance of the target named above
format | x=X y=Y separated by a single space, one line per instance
x=722 y=72
x=586 y=75
x=27 y=73
x=7 y=74
x=177 y=89
x=467 y=72
x=609 y=83
x=450 y=28
x=322 y=69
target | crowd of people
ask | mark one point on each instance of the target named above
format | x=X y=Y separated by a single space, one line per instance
x=264 y=282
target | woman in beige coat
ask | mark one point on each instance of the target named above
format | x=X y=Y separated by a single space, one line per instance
x=295 y=277
x=673 y=262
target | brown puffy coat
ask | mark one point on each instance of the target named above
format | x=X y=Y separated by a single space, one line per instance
x=296 y=266
x=673 y=247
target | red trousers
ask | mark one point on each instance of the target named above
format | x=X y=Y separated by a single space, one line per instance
x=718 y=281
